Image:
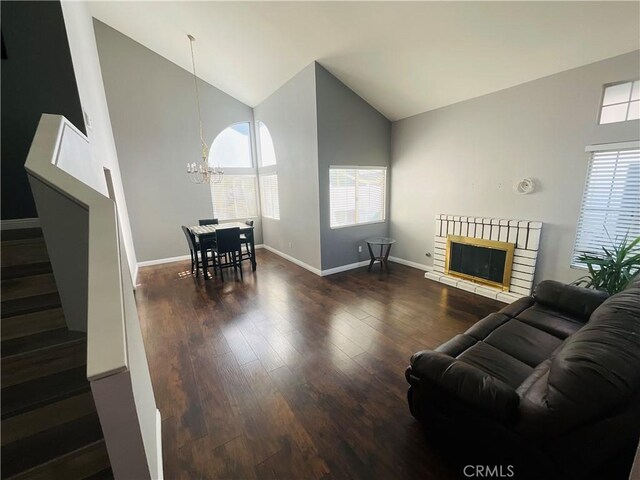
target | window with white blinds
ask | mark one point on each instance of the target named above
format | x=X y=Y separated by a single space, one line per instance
x=610 y=204
x=235 y=197
x=269 y=196
x=356 y=195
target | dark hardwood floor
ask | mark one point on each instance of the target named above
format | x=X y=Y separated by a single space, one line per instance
x=290 y=375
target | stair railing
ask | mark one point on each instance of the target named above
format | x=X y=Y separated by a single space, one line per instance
x=81 y=230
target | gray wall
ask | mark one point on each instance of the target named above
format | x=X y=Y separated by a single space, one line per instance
x=464 y=159
x=350 y=132
x=37 y=78
x=153 y=113
x=290 y=116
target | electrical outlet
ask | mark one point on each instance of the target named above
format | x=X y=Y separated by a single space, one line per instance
x=359 y=248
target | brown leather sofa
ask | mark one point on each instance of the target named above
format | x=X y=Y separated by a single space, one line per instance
x=549 y=384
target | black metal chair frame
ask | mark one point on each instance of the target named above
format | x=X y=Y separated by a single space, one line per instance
x=194 y=248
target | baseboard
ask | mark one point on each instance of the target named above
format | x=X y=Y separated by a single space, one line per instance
x=409 y=263
x=18 y=223
x=159 y=445
x=300 y=263
x=160 y=261
x=344 y=268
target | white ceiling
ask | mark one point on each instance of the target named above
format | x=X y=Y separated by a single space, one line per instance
x=403 y=58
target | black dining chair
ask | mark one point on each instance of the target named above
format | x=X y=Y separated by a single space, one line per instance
x=246 y=243
x=208 y=221
x=228 y=250
x=193 y=250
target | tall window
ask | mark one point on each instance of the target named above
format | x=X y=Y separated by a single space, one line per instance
x=268 y=174
x=357 y=195
x=236 y=196
x=610 y=203
x=620 y=102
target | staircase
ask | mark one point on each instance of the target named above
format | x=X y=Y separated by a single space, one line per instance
x=50 y=428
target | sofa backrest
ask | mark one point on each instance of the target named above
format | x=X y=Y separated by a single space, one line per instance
x=593 y=374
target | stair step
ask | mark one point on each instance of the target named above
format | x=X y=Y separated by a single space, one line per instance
x=37 y=303
x=72 y=450
x=49 y=416
x=33 y=356
x=32 y=323
x=23 y=287
x=21 y=252
x=21 y=234
x=25 y=270
x=43 y=391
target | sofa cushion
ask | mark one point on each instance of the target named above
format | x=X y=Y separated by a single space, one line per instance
x=481 y=329
x=456 y=345
x=496 y=363
x=575 y=301
x=550 y=321
x=524 y=342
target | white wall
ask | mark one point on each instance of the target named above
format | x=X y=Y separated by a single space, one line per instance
x=84 y=54
x=291 y=117
x=464 y=159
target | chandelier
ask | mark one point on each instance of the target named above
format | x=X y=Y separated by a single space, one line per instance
x=201 y=172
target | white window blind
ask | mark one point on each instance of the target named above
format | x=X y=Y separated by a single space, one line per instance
x=235 y=197
x=357 y=195
x=269 y=195
x=610 y=204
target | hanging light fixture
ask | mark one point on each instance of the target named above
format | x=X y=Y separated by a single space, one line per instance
x=201 y=172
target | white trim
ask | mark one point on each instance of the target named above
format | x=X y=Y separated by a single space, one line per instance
x=18 y=223
x=602 y=147
x=300 y=263
x=409 y=263
x=344 y=268
x=159 y=445
x=160 y=261
x=179 y=258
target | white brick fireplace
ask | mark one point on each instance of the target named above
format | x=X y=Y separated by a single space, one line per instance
x=524 y=234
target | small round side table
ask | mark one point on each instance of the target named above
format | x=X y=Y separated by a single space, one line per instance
x=383 y=258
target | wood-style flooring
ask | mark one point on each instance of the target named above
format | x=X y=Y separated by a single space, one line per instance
x=287 y=375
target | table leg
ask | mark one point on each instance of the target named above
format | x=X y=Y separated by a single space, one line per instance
x=373 y=257
x=252 y=245
x=204 y=259
x=386 y=257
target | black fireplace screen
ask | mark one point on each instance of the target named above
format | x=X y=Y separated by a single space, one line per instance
x=477 y=261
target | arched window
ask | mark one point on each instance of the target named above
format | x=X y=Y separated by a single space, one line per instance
x=236 y=196
x=268 y=174
x=232 y=147
x=267 y=151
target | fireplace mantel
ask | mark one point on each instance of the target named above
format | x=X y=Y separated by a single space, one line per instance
x=524 y=234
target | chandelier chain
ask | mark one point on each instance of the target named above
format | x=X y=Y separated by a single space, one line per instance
x=195 y=82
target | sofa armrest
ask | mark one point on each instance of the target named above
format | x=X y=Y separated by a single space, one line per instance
x=576 y=301
x=469 y=384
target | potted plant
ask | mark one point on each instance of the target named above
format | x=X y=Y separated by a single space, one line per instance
x=614 y=269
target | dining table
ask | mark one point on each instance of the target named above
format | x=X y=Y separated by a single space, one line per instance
x=205 y=234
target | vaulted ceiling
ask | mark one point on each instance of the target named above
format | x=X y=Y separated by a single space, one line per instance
x=403 y=58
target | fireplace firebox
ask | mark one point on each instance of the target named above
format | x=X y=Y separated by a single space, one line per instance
x=488 y=262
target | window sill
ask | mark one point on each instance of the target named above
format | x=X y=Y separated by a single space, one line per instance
x=351 y=225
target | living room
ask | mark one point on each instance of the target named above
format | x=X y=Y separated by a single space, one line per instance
x=427 y=178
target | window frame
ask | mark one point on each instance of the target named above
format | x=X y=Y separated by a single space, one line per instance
x=385 y=194
x=593 y=150
x=250 y=171
x=601 y=105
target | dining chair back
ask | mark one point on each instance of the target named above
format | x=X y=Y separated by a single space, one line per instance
x=193 y=251
x=208 y=221
x=228 y=246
